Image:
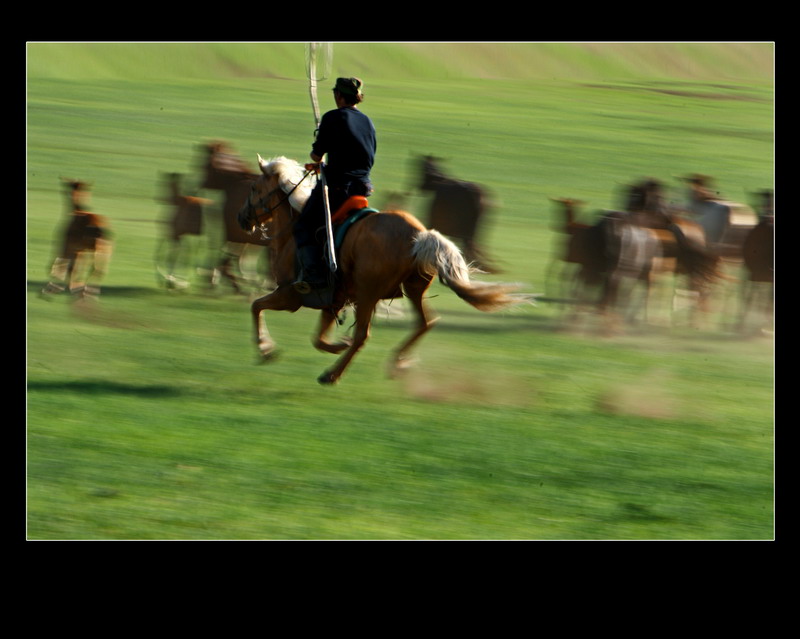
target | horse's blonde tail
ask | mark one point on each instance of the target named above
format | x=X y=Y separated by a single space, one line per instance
x=435 y=255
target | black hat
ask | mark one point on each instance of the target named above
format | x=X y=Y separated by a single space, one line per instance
x=349 y=86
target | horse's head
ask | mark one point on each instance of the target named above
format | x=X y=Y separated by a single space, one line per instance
x=256 y=212
x=283 y=187
x=220 y=165
x=644 y=196
x=635 y=197
x=77 y=192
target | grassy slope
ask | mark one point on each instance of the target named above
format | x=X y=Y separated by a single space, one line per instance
x=737 y=62
x=146 y=416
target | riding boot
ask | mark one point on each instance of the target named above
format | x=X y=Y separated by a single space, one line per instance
x=311 y=275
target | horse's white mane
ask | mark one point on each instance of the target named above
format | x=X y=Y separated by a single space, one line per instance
x=289 y=174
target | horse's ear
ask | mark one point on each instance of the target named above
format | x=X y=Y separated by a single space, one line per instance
x=262 y=164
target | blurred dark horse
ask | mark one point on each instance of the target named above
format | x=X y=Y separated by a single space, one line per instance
x=185 y=218
x=458 y=210
x=608 y=259
x=223 y=170
x=758 y=253
x=583 y=254
x=84 y=249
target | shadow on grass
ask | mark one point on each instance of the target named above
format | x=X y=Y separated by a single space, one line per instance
x=471 y=321
x=105 y=388
x=107 y=291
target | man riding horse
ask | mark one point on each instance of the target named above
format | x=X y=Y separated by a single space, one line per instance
x=347 y=136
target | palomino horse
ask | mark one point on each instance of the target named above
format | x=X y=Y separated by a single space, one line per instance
x=185 y=219
x=385 y=255
x=225 y=171
x=84 y=250
x=458 y=209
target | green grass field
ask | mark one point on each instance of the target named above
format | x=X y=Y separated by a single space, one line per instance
x=148 y=418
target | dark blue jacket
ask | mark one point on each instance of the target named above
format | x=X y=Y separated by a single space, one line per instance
x=348 y=137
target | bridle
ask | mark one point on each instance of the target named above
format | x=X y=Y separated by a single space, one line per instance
x=261 y=219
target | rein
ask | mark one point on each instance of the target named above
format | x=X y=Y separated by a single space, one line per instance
x=261 y=204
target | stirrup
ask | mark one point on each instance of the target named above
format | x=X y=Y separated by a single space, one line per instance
x=304 y=288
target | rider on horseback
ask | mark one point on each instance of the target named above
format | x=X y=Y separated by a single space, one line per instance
x=348 y=137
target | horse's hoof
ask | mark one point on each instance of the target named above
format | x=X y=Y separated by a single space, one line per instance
x=327 y=378
x=401 y=366
x=263 y=358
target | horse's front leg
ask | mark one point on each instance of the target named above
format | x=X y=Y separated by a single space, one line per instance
x=363 y=320
x=326 y=321
x=282 y=299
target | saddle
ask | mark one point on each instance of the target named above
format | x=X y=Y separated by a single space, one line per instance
x=352 y=203
x=355 y=208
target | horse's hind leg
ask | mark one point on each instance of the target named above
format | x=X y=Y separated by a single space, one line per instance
x=415 y=292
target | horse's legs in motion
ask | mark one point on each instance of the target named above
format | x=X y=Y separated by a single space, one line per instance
x=326 y=320
x=364 y=310
x=60 y=275
x=757 y=301
x=98 y=268
x=415 y=291
x=282 y=299
x=231 y=253
x=608 y=306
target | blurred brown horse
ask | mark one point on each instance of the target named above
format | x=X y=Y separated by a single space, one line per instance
x=582 y=253
x=385 y=255
x=84 y=249
x=610 y=256
x=223 y=170
x=185 y=218
x=758 y=253
x=458 y=209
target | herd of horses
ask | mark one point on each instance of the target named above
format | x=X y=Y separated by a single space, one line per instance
x=390 y=253
x=697 y=244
